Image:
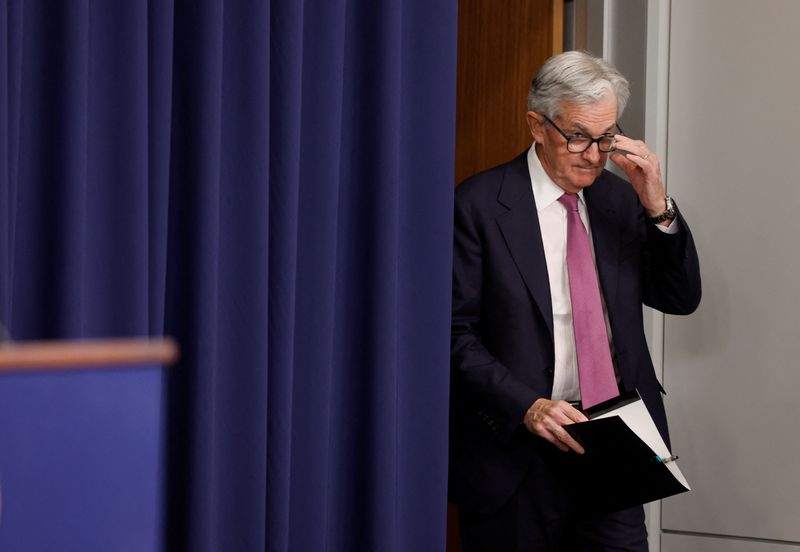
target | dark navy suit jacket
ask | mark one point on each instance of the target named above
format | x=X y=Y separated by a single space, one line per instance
x=502 y=352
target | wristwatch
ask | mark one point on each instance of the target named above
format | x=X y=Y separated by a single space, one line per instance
x=669 y=214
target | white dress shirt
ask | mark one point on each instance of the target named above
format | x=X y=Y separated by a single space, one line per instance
x=553 y=224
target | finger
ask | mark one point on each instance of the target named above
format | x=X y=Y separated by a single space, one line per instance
x=576 y=415
x=567 y=414
x=560 y=437
x=562 y=413
x=624 y=163
x=573 y=444
x=640 y=161
x=546 y=430
x=638 y=147
x=633 y=148
x=635 y=167
x=551 y=437
x=568 y=442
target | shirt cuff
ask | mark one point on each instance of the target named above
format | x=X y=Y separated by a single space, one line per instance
x=673 y=228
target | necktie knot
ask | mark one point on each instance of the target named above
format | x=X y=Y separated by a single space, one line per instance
x=570 y=201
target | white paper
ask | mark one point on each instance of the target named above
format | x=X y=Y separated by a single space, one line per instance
x=636 y=417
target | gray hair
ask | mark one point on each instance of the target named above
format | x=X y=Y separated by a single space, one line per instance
x=576 y=77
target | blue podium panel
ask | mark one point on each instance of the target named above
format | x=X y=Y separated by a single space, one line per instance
x=81 y=464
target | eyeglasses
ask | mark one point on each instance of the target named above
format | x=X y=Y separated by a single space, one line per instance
x=578 y=143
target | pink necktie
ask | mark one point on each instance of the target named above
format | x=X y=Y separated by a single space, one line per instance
x=595 y=370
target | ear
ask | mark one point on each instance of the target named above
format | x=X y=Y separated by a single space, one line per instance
x=536 y=125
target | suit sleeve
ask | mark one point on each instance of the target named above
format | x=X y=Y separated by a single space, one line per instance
x=482 y=384
x=671 y=270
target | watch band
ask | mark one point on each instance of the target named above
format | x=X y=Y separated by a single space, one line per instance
x=668 y=214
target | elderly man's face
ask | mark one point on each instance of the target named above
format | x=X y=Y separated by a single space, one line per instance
x=574 y=171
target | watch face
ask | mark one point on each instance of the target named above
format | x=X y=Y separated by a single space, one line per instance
x=669 y=214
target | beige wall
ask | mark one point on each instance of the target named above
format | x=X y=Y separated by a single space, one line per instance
x=720 y=109
x=731 y=370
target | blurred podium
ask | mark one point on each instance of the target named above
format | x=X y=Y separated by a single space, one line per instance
x=82 y=445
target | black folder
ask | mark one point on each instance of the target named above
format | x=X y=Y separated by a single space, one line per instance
x=619 y=469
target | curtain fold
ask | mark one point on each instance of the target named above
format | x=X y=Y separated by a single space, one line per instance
x=270 y=183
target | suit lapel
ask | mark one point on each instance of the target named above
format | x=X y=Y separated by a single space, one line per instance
x=605 y=237
x=520 y=228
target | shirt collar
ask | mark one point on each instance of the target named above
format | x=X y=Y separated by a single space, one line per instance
x=545 y=191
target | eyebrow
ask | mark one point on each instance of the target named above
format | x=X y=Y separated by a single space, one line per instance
x=584 y=130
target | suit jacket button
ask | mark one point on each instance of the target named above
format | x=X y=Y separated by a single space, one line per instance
x=550 y=372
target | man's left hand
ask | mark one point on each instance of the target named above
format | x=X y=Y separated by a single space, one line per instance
x=643 y=171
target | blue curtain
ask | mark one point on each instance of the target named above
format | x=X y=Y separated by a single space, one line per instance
x=270 y=183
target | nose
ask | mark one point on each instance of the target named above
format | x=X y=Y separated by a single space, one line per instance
x=593 y=154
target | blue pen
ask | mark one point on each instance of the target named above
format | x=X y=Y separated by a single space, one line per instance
x=666 y=460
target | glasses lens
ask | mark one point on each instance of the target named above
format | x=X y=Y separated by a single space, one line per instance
x=606 y=143
x=578 y=145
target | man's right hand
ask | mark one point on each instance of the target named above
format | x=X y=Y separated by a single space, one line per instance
x=547 y=419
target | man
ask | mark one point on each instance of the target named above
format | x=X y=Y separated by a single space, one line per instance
x=522 y=303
